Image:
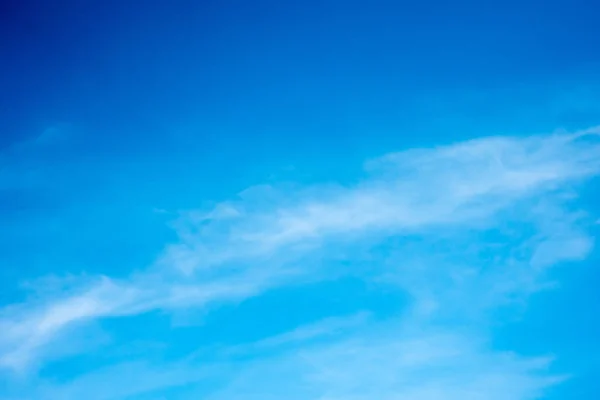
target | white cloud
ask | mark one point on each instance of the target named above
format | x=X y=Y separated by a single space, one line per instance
x=411 y=191
x=393 y=361
x=244 y=247
x=356 y=359
x=325 y=328
x=27 y=329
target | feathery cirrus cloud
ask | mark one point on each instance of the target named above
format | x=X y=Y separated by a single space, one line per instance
x=465 y=228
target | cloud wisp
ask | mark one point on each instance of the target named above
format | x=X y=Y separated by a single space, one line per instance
x=476 y=224
x=426 y=364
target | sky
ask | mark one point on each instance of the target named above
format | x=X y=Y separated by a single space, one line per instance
x=315 y=200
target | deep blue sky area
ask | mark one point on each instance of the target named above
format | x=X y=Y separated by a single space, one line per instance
x=122 y=121
x=117 y=63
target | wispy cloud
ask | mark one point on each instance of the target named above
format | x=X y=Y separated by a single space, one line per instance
x=408 y=192
x=426 y=364
x=487 y=216
x=326 y=328
x=364 y=360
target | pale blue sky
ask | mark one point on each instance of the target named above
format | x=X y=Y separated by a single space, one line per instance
x=301 y=200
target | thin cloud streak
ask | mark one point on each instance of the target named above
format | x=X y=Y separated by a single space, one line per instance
x=242 y=248
x=429 y=364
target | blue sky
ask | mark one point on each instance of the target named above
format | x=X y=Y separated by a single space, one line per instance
x=335 y=200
